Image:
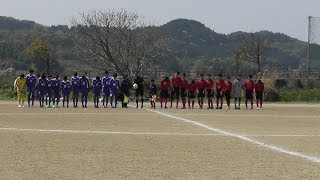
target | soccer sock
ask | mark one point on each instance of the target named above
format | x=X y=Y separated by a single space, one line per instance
x=192 y=104
x=19 y=100
x=141 y=103
x=257 y=102
x=239 y=100
x=189 y=103
x=32 y=98
x=209 y=103
x=165 y=102
x=235 y=102
x=161 y=102
x=184 y=102
x=217 y=102
x=246 y=103
x=177 y=103
x=86 y=101
x=137 y=102
x=201 y=103
x=261 y=101
x=29 y=99
x=22 y=101
x=251 y=103
x=221 y=102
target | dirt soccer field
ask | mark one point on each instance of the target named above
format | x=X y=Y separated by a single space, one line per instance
x=279 y=142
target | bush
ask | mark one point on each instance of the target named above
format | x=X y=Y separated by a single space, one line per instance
x=6 y=89
x=299 y=95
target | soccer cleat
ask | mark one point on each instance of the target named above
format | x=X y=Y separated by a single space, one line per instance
x=22 y=106
x=258 y=108
x=19 y=106
x=53 y=106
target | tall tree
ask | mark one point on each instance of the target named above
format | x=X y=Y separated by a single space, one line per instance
x=251 y=48
x=41 y=50
x=118 y=40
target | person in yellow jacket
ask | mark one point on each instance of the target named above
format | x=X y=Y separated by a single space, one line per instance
x=20 y=88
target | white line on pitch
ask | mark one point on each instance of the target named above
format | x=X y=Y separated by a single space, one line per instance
x=148 y=133
x=244 y=138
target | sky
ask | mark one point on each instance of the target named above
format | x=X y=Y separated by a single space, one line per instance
x=222 y=16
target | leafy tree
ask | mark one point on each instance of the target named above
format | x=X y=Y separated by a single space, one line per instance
x=41 y=50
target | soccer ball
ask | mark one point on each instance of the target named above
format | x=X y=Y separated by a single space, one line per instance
x=135 y=86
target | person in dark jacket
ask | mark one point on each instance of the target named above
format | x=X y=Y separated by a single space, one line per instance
x=125 y=90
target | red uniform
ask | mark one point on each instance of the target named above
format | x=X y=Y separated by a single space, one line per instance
x=184 y=84
x=228 y=85
x=201 y=84
x=176 y=82
x=165 y=85
x=220 y=85
x=210 y=84
x=249 y=85
x=192 y=87
x=258 y=87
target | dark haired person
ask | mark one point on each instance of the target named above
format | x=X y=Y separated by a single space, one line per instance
x=50 y=86
x=191 y=91
x=153 y=94
x=237 y=89
x=184 y=85
x=249 y=87
x=56 y=91
x=20 y=88
x=96 y=89
x=175 y=92
x=75 y=83
x=115 y=86
x=31 y=87
x=125 y=90
x=228 y=90
x=85 y=87
x=42 y=88
x=66 y=88
x=210 y=91
x=201 y=86
x=106 y=89
x=259 y=89
x=140 y=90
x=220 y=91
x=164 y=91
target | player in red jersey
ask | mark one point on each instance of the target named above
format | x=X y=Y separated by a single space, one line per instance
x=228 y=90
x=220 y=91
x=210 y=91
x=249 y=87
x=164 y=93
x=191 y=90
x=201 y=86
x=258 y=89
x=176 y=85
x=184 y=85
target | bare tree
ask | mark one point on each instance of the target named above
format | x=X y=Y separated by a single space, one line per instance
x=5 y=65
x=251 y=48
x=117 y=40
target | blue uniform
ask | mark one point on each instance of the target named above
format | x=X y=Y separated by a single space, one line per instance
x=106 y=85
x=97 y=87
x=115 y=86
x=31 y=87
x=66 y=88
x=84 y=86
x=42 y=88
x=75 y=84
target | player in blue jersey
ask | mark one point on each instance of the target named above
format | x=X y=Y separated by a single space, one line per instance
x=56 y=91
x=50 y=86
x=31 y=87
x=42 y=89
x=106 y=89
x=96 y=88
x=75 y=84
x=66 y=88
x=115 y=86
x=84 y=86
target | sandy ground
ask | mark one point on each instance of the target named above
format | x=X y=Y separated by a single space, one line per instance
x=140 y=144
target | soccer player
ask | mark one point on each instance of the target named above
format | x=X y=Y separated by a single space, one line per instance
x=201 y=86
x=184 y=84
x=66 y=88
x=259 y=88
x=84 y=86
x=96 y=88
x=115 y=86
x=50 y=86
x=237 y=91
x=249 y=87
x=20 y=87
x=220 y=91
x=210 y=91
x=164 y=91
x=106 y=89
x=56 y=91
x=228 y=90
x=153 y=94
x=139 y=90
x=192 y=88
x=125 y=90
x=176 y=85
x=75 y=83
x=42 y=90
x=31 y=87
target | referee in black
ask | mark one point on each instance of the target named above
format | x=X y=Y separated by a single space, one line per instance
x=139 y=90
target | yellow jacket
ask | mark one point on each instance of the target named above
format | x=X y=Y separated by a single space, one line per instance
x=20 y=84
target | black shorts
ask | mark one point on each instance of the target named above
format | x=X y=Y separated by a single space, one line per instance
x=175 y=92
x=219 y=94
x=201 y=93
x=228 y=95
x=249 y=95
x=192 y=95
x=56 y=94
x=164 y=94
x=210 y=93
x=183 y=92
x=259 y=95
x=139 y=92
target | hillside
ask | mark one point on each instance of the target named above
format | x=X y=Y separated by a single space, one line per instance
x=195 y=46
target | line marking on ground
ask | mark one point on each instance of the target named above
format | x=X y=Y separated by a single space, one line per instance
x=244 y=138
x=147 y=133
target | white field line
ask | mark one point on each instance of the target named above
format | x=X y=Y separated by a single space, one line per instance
x=244 y=138
x=147 y=133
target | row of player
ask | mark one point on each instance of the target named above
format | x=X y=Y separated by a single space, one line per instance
x=49 y=90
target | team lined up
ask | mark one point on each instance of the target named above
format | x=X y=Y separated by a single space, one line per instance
x=48 y=90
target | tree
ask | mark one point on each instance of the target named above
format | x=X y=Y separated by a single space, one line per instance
x=41 y=50
x=6 y=65
x=251 y=48
x=118 y=40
